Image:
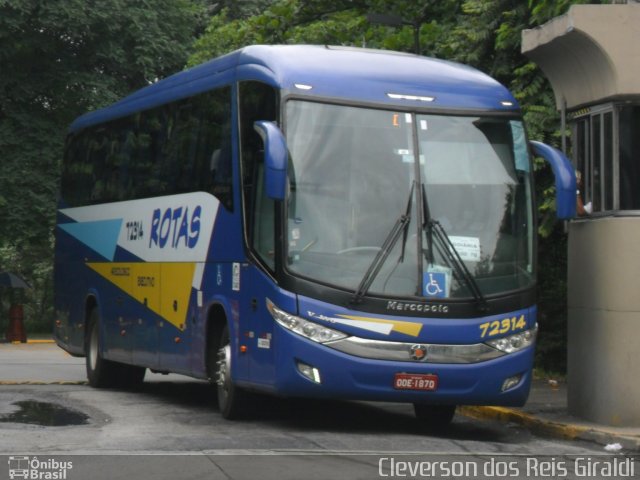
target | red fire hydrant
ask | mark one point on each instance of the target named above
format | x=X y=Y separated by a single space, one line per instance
x=16 y=331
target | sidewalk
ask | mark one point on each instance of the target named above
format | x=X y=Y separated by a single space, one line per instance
x=41 y=362
x=546 y=414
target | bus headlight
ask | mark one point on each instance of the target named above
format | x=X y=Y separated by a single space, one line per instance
x=516 y=342
x=311 y=330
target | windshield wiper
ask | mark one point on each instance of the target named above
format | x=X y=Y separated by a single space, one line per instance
x=450 y=253
x=401 y=226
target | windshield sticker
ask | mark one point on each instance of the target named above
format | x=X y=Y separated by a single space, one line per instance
x=436 y=282
x=434 y=285
x=409 y=158
x=520 y=146
x=467 y=247
x=423 y=125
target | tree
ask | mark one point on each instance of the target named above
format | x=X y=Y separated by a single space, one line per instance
x=336 y=22
x=238 y=8
x=59 y=59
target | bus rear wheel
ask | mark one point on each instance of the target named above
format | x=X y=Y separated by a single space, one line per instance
x=232 y=400
x=434 y=417
x=102 y=373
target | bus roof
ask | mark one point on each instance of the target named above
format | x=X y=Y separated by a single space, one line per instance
x=341 y=73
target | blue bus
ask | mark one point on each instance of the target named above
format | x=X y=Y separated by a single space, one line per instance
x=307 y=221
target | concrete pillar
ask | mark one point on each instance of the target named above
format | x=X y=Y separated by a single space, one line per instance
x=603 y=367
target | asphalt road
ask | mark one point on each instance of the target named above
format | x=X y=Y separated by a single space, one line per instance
x=170 y=428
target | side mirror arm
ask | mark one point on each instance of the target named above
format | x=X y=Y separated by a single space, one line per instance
x=565 y=176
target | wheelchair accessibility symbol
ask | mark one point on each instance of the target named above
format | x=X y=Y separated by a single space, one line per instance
x=434 y=285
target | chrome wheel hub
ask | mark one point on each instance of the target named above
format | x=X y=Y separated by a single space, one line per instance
x=93 y=348
x=223 y=369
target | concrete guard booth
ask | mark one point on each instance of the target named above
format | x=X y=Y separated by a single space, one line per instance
x=591 y=56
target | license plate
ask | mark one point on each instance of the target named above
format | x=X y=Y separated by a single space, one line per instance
x=415 y=381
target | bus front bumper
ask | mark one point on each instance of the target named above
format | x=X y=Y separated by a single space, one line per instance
x=308 y=369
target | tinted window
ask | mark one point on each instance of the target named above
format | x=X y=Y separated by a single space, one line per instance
x=629 y=158
x=181 y=147
x=257 y=102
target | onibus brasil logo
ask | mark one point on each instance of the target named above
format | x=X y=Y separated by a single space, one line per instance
x=33 y=468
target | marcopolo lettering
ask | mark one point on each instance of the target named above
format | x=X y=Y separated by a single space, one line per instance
x=175 y=227
x=416 y=307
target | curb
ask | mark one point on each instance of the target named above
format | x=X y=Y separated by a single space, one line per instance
x=35 y=341
x=551 y=428
x=38 y=382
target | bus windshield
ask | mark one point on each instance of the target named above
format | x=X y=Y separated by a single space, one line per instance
x=353 y=175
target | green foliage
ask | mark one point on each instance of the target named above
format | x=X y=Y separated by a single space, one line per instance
x=236 y=8
x=340 y=22
x=544 y=10
x=59 y=59
x=551 y=352
x=286 y=21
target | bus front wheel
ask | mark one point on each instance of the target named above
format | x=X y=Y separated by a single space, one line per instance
x=434 y=417
x=232 y=400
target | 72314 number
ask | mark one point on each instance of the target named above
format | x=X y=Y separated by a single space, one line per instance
x=500 y=327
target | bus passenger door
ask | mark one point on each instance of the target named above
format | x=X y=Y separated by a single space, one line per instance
x=259 y=336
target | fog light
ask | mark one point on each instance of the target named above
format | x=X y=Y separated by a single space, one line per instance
x=309 y=372
x=511 y=382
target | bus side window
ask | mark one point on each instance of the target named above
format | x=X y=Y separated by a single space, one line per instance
x=98 y=148
x=153 y=175
x=199 y=146
x=257 y=102
x=213 y=159
x=181 y=147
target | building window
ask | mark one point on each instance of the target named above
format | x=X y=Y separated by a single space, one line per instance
x=629 y=155
x=606 y=151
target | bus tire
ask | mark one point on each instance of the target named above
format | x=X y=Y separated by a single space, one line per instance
x=434 y=417
x=232 y=400
x=102 y=373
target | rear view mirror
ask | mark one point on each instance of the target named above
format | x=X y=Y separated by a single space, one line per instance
x=275 y=159
x=565 y=178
